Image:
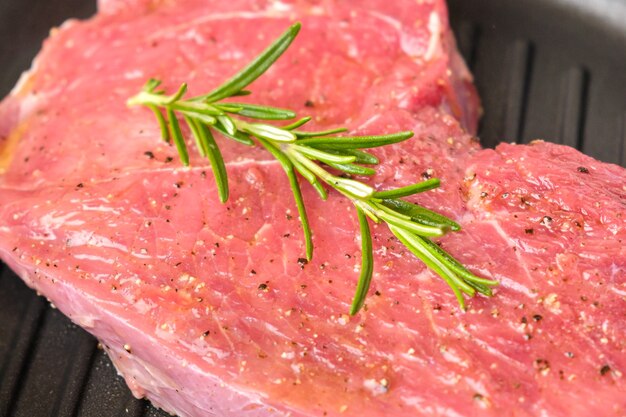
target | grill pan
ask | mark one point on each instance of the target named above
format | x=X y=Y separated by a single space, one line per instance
x=553 y=69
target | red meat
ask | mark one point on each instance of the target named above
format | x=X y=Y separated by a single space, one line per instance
x=208 y=309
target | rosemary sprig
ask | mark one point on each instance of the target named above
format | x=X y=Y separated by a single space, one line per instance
x=312 y=155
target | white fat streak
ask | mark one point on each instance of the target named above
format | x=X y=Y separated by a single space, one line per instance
x=94 y=258
x=248 y=161
x=279 y=6
x=132 y=75
x=271 y=13
x=477 y=386
x=452 y=356
x=266 y=228
x=617 y=291
x=100 y=209
x=425 y=406
x=434 y=26
x=406 y=40
x=506 y=238
x=370 y=121
x=395 y=23
x=86 y=321
x=49 y=221
x=238 y=163
x=319 y=357
x=151 y=376
x=497 y=352
x=513 y=285
x=85 y=238
x=28 y=102
x=274 y=330
x=20 y=87
x=374 y=387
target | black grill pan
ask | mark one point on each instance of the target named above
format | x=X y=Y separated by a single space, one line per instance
x=553 y=69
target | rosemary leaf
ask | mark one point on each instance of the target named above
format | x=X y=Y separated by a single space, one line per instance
x=421 y=214
x=416 y=247
x=420 y=187
x=217 y=161
x=302 y=134
x=228 y=124
x=297 y=193
x=361 y=156
x=177 y=135
x=354 y=188
x=297 y=123
x=178 y=95
x=257 y=112
x=311 y=178
x=242 y=93
x=320 y=190
x=256 y=68
x=353 y=169
x=398 y=221
x=239 y=136
x=357 y=142
x=367 y=264
x=271 y=133
x=204 y=118
x=325 y=156
x=151 y=85
x=196 y=135
x=197 y=108
x=165 y=134
x=481 y=284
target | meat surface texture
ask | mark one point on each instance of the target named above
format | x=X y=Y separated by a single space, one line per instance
x=208 y=309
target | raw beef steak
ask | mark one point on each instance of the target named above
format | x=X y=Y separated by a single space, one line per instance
x=208 y=309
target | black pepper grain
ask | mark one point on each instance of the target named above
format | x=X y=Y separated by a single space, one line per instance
x=541 y=365
x=302 y=262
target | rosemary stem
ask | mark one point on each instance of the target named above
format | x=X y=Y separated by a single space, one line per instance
x=145 y=98
x=310 y=153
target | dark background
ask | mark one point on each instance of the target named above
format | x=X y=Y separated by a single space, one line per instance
x=553 y=69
